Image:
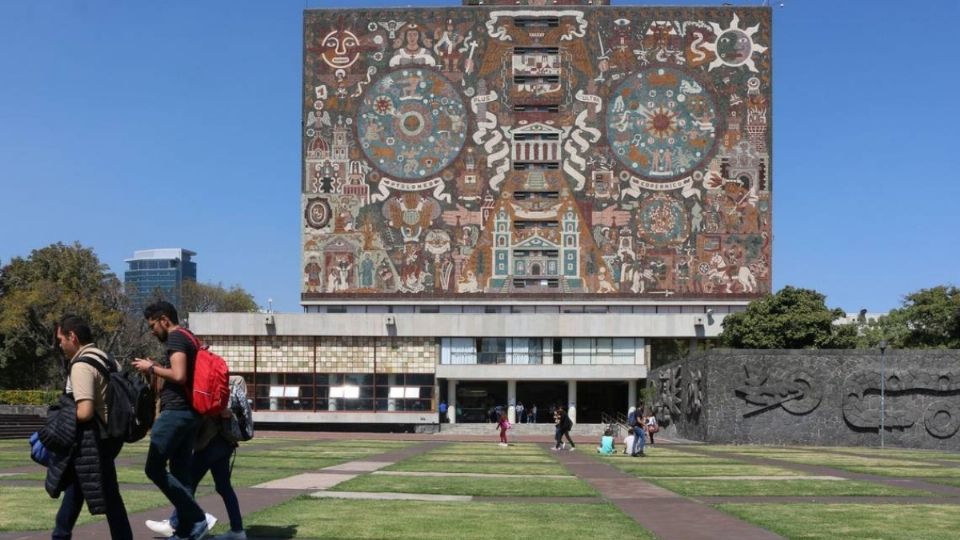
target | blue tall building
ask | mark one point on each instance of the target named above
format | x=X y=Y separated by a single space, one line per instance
x=158 y=273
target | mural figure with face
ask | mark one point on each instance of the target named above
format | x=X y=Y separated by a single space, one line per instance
x=339 y=49
x=410 y=51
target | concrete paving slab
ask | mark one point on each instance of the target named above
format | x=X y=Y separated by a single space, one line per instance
x=778 y=478
x=307 y=481
x=10 y=474
x=359 y=466
x=468 y=475
x=390 y=496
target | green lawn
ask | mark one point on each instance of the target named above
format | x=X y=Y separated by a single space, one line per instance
x=30 y=509
x=478 y=487
x=852 y=521
x=399 y=520
x=785 y=488
x=417 y=464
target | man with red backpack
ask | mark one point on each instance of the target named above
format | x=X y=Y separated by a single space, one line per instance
x=175 y=429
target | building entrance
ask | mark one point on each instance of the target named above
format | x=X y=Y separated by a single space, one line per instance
x=544 y=394
x=477 y=399
x=598 y=397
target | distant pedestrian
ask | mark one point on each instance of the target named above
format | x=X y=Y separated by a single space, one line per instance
x=635 y=421
x=532 y=415
x=443 y=411
x=628 y=442
x=652 y=426
x=519 y=412
x=503 y=424
x=563 y=426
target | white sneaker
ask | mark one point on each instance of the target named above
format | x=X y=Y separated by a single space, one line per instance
x=233 y=535
x=572 y=449
x=162 y=528
x=211 y=521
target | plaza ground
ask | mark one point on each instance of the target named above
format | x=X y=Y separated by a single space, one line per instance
x=364 y=486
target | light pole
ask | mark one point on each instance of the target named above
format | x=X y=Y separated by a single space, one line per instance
x=883 y=385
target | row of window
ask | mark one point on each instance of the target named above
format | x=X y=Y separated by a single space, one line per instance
x=340 y=391
x=527 y=351
x=661 y=309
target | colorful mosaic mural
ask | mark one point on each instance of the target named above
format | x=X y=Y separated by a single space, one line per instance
x=561 y=152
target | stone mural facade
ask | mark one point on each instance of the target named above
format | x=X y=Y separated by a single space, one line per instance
x=813 y=397
x=567 y=151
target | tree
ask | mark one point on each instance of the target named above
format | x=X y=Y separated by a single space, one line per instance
x=929 y=318
x=793 y=318
x=205 y=297
x=36 y=291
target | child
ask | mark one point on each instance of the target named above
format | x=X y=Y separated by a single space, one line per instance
x=628 y=441
x=606 y=444
x=503 y=424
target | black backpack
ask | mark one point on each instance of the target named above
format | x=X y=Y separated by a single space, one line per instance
x=131 y=403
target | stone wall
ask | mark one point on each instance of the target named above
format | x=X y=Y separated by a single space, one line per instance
x=816 y=397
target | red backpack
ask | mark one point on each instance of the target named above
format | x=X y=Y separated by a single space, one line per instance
x=211 y=387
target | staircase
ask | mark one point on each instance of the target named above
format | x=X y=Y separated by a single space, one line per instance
x=17 y=426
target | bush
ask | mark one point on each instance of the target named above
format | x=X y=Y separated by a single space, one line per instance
x=28 y=397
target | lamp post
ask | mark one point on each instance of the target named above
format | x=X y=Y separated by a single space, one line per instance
x=883 y=384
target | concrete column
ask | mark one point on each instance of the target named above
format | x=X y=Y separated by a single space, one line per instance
x=452 y=401
x=391 y=381
x=274 y=402
x=512 y=401
x=631 y=395
x=572 y=400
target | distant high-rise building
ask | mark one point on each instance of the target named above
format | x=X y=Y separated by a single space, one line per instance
x=158 y=273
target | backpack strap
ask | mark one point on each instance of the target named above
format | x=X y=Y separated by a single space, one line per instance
x=193 y=339
x=104 y=370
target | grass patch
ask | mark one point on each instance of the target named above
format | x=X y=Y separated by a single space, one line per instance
x=327 y=518
x=417 y=464
x=647 y=468
x=918 y=471
x=852 y=521
x=790 y=488
x=31 y=509
x=478 y=487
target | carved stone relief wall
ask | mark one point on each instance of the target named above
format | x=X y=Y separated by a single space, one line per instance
x=813 y=397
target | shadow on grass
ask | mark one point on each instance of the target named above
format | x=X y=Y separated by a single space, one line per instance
x=265 y=532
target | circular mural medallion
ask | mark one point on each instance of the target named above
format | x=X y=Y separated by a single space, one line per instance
x=661 y=123
x=663 y=220
x=317 y=213
x=734 y=47
x=412 y=123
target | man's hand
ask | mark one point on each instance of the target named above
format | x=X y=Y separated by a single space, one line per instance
x=142 y=365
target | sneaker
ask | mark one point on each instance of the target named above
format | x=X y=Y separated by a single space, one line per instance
x=233 y=535
x=211 y=521
x=572 y=449
x=162 y=528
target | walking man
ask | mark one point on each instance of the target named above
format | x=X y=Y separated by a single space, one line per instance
x=174 y=431
x=98 y=486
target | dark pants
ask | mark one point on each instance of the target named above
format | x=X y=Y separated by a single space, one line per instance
x=215 y=458
x=72 y=502
x=560 y=434
x=171 y=440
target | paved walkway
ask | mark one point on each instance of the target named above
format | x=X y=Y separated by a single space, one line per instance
x=653 y=507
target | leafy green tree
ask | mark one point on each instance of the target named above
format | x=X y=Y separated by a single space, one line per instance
x=206 y=297
x=793 y=318
x=929 y=318
x=35 y=292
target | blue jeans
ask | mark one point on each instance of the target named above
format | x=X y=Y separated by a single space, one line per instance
x=171 y=440
x=639 y=440
x=72 y=502
x=216 y=459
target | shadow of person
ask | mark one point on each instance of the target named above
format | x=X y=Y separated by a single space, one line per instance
x=271 y=532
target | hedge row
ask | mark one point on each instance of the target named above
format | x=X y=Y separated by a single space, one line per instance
x=28 y=397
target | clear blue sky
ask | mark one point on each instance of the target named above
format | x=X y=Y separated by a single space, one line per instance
x=134 y=125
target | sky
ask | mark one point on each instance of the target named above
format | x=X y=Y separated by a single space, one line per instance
x=137 y=125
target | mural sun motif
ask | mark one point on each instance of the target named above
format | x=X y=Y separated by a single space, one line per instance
x=734 y=46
